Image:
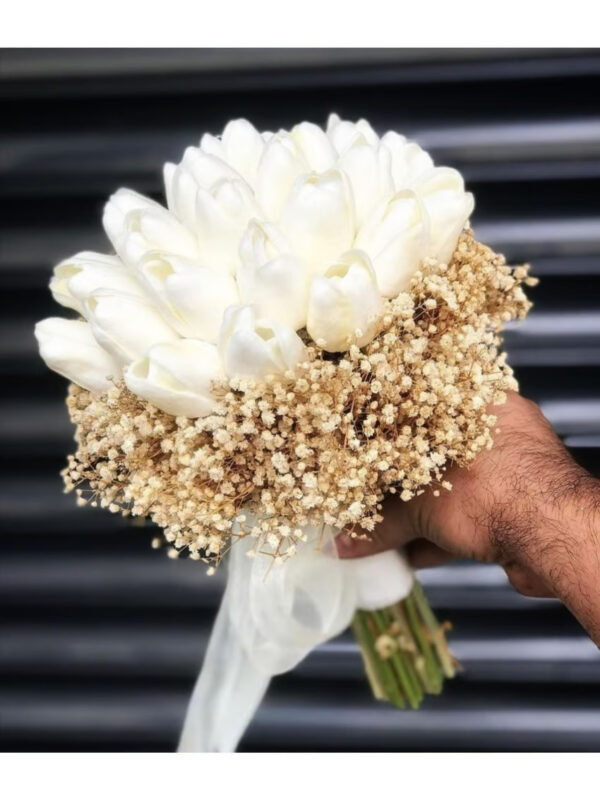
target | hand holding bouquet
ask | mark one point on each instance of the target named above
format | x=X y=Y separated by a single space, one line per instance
x=308 y=327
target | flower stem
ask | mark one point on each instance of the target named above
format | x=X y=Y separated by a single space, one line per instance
x=404 y=650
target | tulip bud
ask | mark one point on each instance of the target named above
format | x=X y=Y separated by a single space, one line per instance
x=270 y=278
x=255 y=348
x=409 y=161
x=222 y=215
x=395 y=236
x=318 y=219
x=344 y=134
x=241 y=145
x=177 y=377
x=197 y=169
x=315 y=146
x=281 y=163
x=125 y=325
x=344 y=303
x=369 y=171
x=77 y=277
x=134 y=231
x=68 y=347
x=448 y=207
x=192 y=298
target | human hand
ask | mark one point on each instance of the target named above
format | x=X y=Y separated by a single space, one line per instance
x=525 y=504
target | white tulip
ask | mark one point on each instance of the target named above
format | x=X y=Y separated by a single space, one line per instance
x=409 y=161
x=118 y=206
x=315 y=146
x=240 y=145
x=318 y=218
x=222 y=214
x=134 y=231
x=368 y=168
x=395 y=236
x=177 y=377
x=344 y=134
x=125 y=325
x=196 y=170
x=344 y=303
x=254 y=348
x=77 y=277
x=270 y=278
x=191 y=297
x=448 y=207
x=281 y=163
x=68 y=347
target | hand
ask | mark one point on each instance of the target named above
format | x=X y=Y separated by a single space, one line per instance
x=524 y=504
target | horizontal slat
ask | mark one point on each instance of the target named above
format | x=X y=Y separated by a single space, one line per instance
x=122 y=717
x=155 y=581
x=176 y=651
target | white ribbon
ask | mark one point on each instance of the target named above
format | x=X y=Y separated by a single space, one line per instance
x=271 y=617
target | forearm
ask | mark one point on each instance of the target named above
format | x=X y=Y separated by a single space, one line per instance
x=528 y=506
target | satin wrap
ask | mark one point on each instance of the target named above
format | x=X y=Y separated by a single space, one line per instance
x=271 y=616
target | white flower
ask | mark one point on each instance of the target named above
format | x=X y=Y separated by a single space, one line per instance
x=344 y=134
x=125 y=325
x=135 y=225
x=448 y=208
x=192 y=298
x=264 y=234
x=252 y=347
x=197 y=170
x=395 y=236
x=409 y=161
x=77 y=277
x=222 y=214
x=68 y=347
x=369 y=171
x=318 y=218
x=177 y=377
x=281 y=163
x=271 y=278
x=315 y=145
x=240 y=145
x=344 y=303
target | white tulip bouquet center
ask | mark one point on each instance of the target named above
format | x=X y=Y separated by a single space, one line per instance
x=307 y=327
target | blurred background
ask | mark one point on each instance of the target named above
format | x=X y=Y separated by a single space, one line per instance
x=101 y=637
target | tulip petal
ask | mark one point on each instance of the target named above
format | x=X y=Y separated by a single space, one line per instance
x=69 y=348
x=125 y=325
x=281 y=163
x=396 y=237
x=254 y=348
x=318 y=219
x=344 y=304
x=315 y=146
x=177 y=377
x=192 y=298
x=77 y=277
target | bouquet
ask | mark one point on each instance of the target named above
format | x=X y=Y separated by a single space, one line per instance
x=307 y=327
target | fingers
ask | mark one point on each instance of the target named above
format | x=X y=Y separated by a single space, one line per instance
x=422 y=553
x=395 y=531
x=527 y=582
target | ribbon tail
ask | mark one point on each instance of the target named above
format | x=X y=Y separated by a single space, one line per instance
x=227 y=693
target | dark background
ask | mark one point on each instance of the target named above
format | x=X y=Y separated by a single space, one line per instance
x=100 y=636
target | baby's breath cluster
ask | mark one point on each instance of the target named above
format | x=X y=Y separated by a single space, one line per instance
x=325 y=444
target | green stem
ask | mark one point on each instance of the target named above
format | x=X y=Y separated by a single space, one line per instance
x=404 y=650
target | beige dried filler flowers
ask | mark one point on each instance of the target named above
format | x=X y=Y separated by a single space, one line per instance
x=325 y=444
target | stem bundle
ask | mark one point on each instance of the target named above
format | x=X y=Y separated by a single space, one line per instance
x=404 y=650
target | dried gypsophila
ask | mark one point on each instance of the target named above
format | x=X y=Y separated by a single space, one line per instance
x=326 y=444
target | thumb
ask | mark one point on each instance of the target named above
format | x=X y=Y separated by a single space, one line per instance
x=394 y=531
